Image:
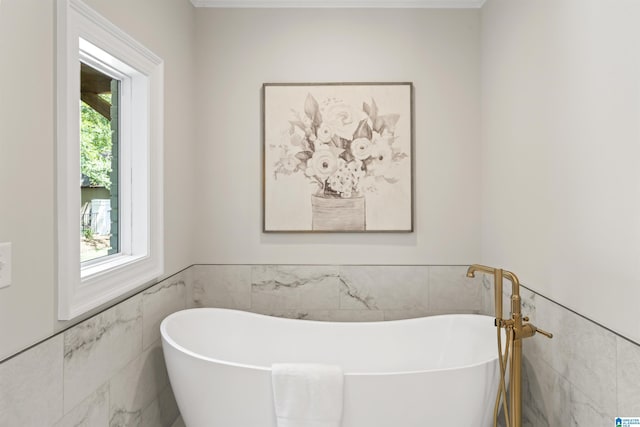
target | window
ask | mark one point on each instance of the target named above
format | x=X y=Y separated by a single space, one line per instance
x=99 y=171
x=110 y=140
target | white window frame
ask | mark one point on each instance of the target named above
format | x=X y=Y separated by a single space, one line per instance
x=84 y=35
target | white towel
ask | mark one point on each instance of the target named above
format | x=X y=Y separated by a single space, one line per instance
x=307 y=395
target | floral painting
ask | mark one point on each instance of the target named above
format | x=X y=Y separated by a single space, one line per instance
x=338 y=157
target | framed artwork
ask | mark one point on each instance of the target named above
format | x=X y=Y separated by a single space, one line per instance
x=338 y=157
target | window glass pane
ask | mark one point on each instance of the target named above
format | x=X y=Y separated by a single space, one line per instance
x=99 y=101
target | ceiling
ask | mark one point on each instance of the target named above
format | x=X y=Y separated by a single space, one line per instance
x=416 y=4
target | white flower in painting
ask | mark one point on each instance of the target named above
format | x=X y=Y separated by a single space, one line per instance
x=324 y=163
x=381 y=158
x=343 y=119
x=324 y=133
x=361 y=148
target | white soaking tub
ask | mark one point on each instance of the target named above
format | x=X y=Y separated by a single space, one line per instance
x=426 y=372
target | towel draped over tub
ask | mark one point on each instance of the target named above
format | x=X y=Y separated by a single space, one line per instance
x=307 y=394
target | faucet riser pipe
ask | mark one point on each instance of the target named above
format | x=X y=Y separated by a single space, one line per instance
x=498 y=295
x=516 y=384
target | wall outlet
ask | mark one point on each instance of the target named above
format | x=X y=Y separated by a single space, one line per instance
x=5 y=264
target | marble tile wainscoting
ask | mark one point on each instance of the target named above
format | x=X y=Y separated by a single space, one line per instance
x=338 y=293
x=106 y=371
x=109 y=370
x=584 y=377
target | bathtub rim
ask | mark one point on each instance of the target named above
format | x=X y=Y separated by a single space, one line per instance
x=166 y=338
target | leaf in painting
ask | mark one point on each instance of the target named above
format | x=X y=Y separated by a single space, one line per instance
x=304 y=155
x=347 y=156
x=374 y=110
x=366 y=108
x=378 y=124
x=298 y=124
x=311 y=106
x=390 y=121
x=363 y=130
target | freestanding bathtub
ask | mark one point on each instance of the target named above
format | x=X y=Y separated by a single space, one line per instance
x=427 y=372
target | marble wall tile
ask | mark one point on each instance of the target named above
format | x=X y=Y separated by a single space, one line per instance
x=158 y=302
x=222 y=286
x=292 y=313
x=97 y=348
x=580 y=351
x=136 y=385
x=451 y=289
x=31 y=386
x=628 y=378
x=528 y=298
x=96 y=373
x=178 y=423
x=91 y=412
x=328 y=315
x=546 y=395
x=161 y=412
x=384 y=287
x=528 y=304
x=124 y=418
x=526 y=422
x=283 y=287
x=587 y=412
x=189 y=277
x=488 y=296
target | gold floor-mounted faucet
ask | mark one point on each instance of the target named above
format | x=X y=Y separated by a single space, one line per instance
x=516 y=331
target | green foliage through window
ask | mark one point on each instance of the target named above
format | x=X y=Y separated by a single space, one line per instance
x=95 y=147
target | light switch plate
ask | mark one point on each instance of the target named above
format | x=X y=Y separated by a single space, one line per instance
x=5 y=264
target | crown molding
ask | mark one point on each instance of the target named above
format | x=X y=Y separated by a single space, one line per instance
x=329 y=4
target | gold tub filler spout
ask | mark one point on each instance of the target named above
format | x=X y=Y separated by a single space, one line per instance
x=515 y=331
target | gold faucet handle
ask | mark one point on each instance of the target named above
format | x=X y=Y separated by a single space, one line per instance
x=535 y=329
x=545 y=333
x=528 y=330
